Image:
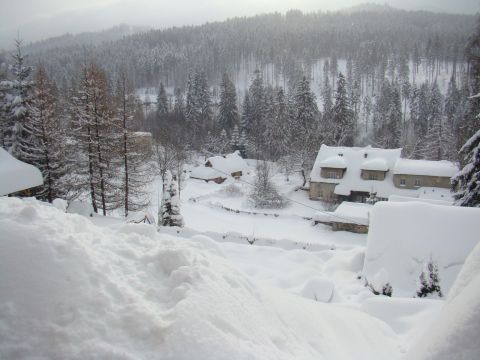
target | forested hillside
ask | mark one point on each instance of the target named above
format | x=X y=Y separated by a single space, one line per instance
x=273 y=86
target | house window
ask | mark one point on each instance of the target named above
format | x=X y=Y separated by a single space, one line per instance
x=332 y=175
x=372 y=177
x=418 y=182
x=403 y=182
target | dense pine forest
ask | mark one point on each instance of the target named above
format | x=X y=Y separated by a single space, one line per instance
x=271 y=86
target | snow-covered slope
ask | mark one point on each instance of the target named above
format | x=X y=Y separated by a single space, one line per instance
x=73 y=290
x=455 y=333
x=403 y=236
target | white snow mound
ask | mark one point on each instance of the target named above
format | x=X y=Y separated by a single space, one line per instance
x=73 y=290
x=404 y=236
x=454 y=335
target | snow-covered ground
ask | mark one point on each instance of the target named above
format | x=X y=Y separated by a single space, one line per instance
x=235 y=282
x=71 y=289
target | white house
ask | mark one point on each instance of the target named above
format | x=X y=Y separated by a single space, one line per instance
x=218 y=168
x=353 y=173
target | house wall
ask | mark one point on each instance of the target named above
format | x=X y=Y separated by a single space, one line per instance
x=324 y=191
x=324 y=172
x=379 y=174
x=425 y=181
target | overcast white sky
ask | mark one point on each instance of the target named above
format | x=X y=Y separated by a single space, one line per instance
x=39 y=19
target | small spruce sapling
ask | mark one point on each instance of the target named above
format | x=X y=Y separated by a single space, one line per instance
x=170 y=210
x=429 y=281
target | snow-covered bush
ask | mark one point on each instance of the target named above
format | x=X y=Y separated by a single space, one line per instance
x=170 y=212
x=264 y=193
x=386 y=289
x=429 y=281
x=380 y=284
x=232 y=190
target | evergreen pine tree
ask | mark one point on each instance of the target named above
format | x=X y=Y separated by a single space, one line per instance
x=439 y=143
x=228 y=111
x=224 y=144
x=466 y=184
x=235 y=138
x=192 y=106
x=162 y=101
x=256 y=126
x=277 y=133
x=342 y=116
x=204 y=99
x=170 y=210
x=429 y=281
x=306 y=106
x=17 y=135
x=264 y=193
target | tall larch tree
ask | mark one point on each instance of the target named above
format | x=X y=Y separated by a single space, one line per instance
x=135 y=170
x=49 y=136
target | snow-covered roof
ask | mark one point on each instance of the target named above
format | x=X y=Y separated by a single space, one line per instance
x=378 y=164
x=206 y=173
x=221 y=166
x=369 y=158
x=347 y=212
x=229 y=163
x=355 y=158
x=336 y=162
x=425 y=167
x=15 y=175
x=398 y=198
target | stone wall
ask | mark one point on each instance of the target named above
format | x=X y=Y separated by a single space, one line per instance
x=324 y=191
x=424 y=181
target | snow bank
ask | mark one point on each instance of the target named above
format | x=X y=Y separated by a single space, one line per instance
x=15 y=175
x=76 y=291
x=454 y=335
x=403 y=236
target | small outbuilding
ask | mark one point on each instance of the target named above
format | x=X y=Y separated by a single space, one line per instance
x=219 y=168
x=348 y=216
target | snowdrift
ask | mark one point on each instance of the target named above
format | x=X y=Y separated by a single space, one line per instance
x=73 y=290
x=454 y=335
x=403 y=236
